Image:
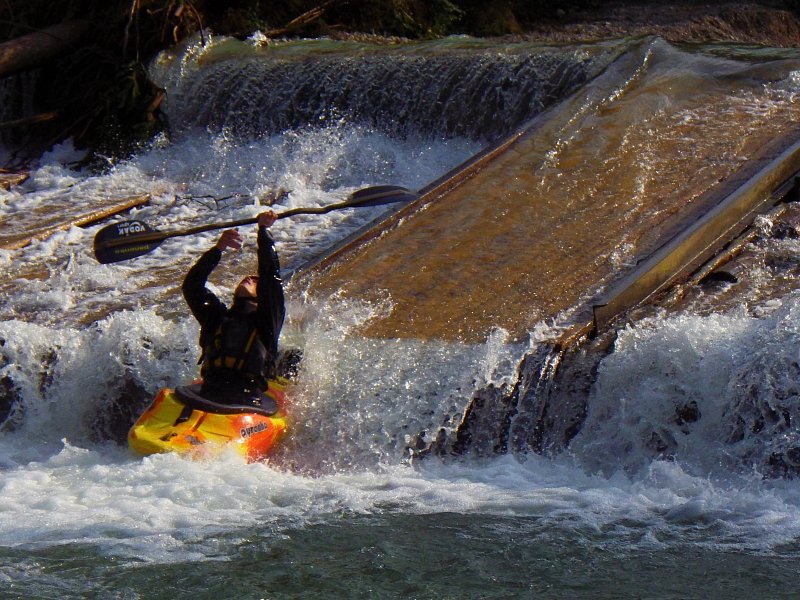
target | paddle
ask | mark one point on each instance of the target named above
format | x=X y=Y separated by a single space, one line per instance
x=129 y=239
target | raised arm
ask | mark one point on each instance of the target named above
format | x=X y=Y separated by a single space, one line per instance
x=271 y=306
x=200 y=299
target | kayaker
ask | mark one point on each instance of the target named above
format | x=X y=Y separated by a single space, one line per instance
x=240 y=343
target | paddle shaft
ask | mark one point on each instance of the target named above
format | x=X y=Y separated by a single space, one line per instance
x=319 y=210
x=160 y=236
x=116 y=242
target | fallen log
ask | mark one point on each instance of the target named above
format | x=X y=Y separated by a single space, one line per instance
x=25 y=121
x=306 y=18
x=8 y=179
x=36 y=49
x=15 y=234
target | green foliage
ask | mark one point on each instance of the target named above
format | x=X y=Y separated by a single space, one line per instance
x=106 y=103
x=407 y=18
x=443 y=15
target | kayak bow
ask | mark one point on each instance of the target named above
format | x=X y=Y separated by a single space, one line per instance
x=181 y=421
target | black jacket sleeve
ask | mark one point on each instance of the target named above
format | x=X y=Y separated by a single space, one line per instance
x=200 y=299
x=271 y=307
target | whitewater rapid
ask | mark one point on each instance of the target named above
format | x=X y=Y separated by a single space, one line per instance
x=359 y=403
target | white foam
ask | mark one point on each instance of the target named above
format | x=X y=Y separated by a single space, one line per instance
x=736 y=373
x=166 y=509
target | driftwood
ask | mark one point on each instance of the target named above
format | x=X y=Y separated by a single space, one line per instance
x=307 y=17
x=24 y=122
x=8 y=179
x=36 y=49
x=19 y=231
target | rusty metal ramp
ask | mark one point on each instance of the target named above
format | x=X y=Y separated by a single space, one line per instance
x=539 y=227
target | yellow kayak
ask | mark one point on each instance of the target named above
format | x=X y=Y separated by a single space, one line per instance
x=180 y=420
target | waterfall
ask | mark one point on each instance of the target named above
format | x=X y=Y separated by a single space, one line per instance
x=479 y=93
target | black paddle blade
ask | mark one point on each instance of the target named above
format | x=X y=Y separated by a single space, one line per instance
x=118 y=241
x=381 y=194
x=371 y=196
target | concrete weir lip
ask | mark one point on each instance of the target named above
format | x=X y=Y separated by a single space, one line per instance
x=702 y=240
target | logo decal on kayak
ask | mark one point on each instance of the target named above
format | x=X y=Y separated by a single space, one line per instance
x=248 y=431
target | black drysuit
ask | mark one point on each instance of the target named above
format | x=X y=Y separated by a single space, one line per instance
x=240 y=344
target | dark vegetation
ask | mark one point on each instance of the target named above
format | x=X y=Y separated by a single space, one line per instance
x=95 y=87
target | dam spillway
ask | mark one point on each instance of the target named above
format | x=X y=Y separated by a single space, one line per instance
x=570 y=205
x=522 y=242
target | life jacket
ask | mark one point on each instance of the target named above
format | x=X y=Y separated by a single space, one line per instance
x=236 y=351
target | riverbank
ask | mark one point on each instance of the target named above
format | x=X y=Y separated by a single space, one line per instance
x=748 y=23
x=97 y=90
